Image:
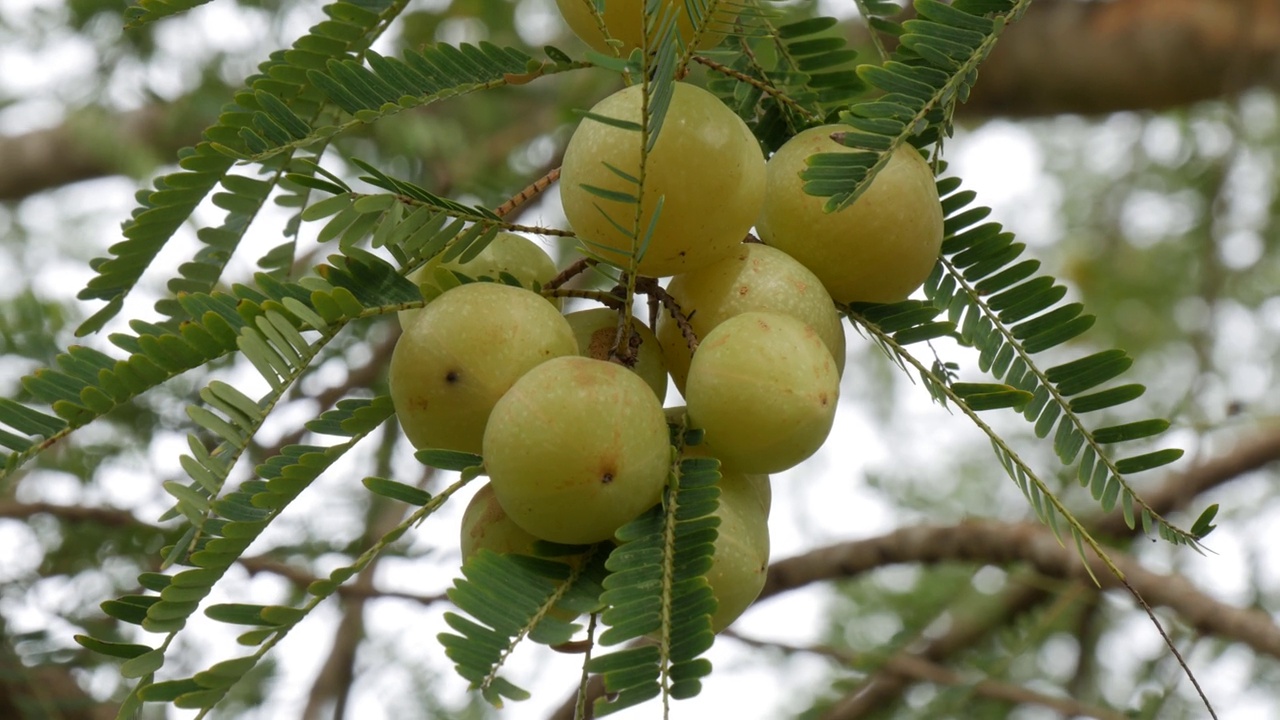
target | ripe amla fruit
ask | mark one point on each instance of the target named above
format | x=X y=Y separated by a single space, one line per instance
x=509 y=253
x=625 y=21
x=880 y=248
x=596 y=330
x=576 y=448
x=754 y=278
x=705 y=165
x=764 y=389
x=463 y=352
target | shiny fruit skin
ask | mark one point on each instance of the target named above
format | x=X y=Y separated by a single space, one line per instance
x=462 y=353
x=509 y=253
x=625 y=21
x=577 y=448
x=485 y=526
x=764 y=389
x=596 y=330
x=705 y=163
x=880 y=248
x=754 y=278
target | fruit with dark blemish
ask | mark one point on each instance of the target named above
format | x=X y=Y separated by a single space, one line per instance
x=462 y=352
x=576 y=448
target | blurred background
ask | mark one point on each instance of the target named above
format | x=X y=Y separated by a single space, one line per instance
x=1133 y=145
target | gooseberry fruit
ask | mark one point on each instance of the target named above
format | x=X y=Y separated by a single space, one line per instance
x=754 y=277
x=625 y=21
x=764 y=389
x=462 y=353
x=576 y=448
x=880 y=248
x=509 y=253
x=596 y=330
x=706 y=166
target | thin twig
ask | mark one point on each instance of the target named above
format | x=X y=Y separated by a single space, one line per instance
x=534 y=189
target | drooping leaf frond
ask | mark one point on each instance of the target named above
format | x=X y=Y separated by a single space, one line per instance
x=234 y=522
x=933 y=68
x=512 y=597
x=386 y=87
x=1011 y=314
x=656 y=588
x=351 y=28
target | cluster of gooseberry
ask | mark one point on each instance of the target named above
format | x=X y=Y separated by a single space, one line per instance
x=567 y=410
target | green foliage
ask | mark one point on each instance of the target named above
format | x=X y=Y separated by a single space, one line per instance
x=351 y=28
x=668 y=549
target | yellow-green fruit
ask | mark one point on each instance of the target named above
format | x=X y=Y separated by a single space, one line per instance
x=576 y=448
x=706 y=166
x=764 y=389
x=754 y=278
x=625 y=22
x=741 y=560
x=485 y=525
x=760 y=482
x=880 y=248
x=596 y=330
x=509 y=253
x=462 y=353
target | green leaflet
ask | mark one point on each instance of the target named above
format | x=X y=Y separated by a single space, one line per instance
x=1010 y=315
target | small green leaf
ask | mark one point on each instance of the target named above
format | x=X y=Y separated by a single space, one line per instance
x=127 y=651
x=448 y=459
x=1148 y=461
x=397 y=491
x=144 y=664
x=1130 y=431
x=1204 y=524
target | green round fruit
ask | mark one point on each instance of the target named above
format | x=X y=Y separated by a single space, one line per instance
x=705 y=164
x=462 y=353
x=754 y=278
x=764 y=389
x=880 y=248
x=596 y=330
x=485 y=526
x=509 y=253
x=625 y=22
x=741 y=561
x=576 y=448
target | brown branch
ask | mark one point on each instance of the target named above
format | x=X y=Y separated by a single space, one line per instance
x=1175 y=493
x=95 y=142
x=916 y=668
x=110 y=517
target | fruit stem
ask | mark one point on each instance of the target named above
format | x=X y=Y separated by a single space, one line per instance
x=576 y=268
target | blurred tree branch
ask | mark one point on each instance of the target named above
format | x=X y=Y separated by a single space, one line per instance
x=1020 y=597
x=923 y=670
x=997 y=543
x=1063 y=56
